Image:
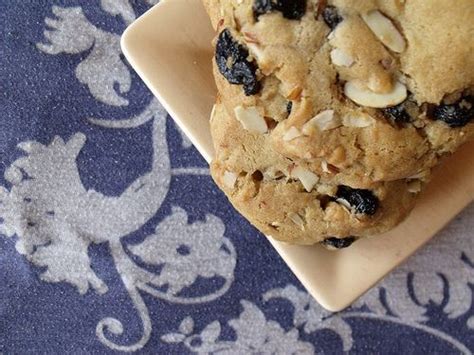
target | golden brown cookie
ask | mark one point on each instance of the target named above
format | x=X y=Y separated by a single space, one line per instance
x=289 y=202
x=331 y=114
x=377 y=89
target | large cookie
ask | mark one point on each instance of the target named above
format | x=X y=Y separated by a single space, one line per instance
x=287 y=201
x=372 y=91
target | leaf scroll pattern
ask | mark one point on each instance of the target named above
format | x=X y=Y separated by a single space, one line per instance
x=446 y=263
x=71 y=32
x=196 y=250
x=254 y=335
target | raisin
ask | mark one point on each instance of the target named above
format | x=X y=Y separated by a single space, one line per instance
x=331 y=17
x=261 y=7
x=291 y=9
x=289 y=107
x=458 y=114
x=231 y=58
x=363 y=201
x=338 y=243
x=397 y=114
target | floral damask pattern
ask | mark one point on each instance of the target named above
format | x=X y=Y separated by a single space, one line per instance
x=254 y=334
x=176 y=254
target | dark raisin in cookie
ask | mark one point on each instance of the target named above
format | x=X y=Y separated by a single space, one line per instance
x=458 y=114
x=232 y=61
x=397 y=114
x=363 y=201
x=291 y=9
x=338 y=243
x=331 y=17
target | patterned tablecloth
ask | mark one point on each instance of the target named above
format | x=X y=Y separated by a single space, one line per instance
x=113 y=236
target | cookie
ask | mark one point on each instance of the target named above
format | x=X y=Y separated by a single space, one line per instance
x=289 y=202
x=373 y=91
x=331 y=114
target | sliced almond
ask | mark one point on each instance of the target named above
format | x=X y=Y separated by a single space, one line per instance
x=401 y=78
x=272 y=173
x=385 y=31
x=229 y=179
x=296 y=219
x=307 y=178
x=358 y=120
x=251 y=119
x=291 y=134
x=331 y=35
x=324 y=166
x=420 y=175
x=344 y=203
x=414 y=186
x=367 y=98
x=328 y=168
x=294 y=93
x=250 y=37
x=340 y=58
x=257 y=52
x=323 y=121
x=337 y=156
x=213 y=112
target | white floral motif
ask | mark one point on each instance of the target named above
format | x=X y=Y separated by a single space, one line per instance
x=33 y=213
x=55 y=219
x=47 y=193
x=103 y=68
x=196 y=250
x=254 y=335
x=312 y=315
x=253 y=338
x=453 y=253
x=119 y=7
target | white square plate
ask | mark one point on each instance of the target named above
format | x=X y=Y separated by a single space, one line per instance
x=170 y=48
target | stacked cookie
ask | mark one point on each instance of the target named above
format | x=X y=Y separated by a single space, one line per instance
x=331 y=114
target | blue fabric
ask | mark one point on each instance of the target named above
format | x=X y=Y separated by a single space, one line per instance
x=113 y=236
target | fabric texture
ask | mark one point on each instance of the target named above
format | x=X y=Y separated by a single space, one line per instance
x=114 y=238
